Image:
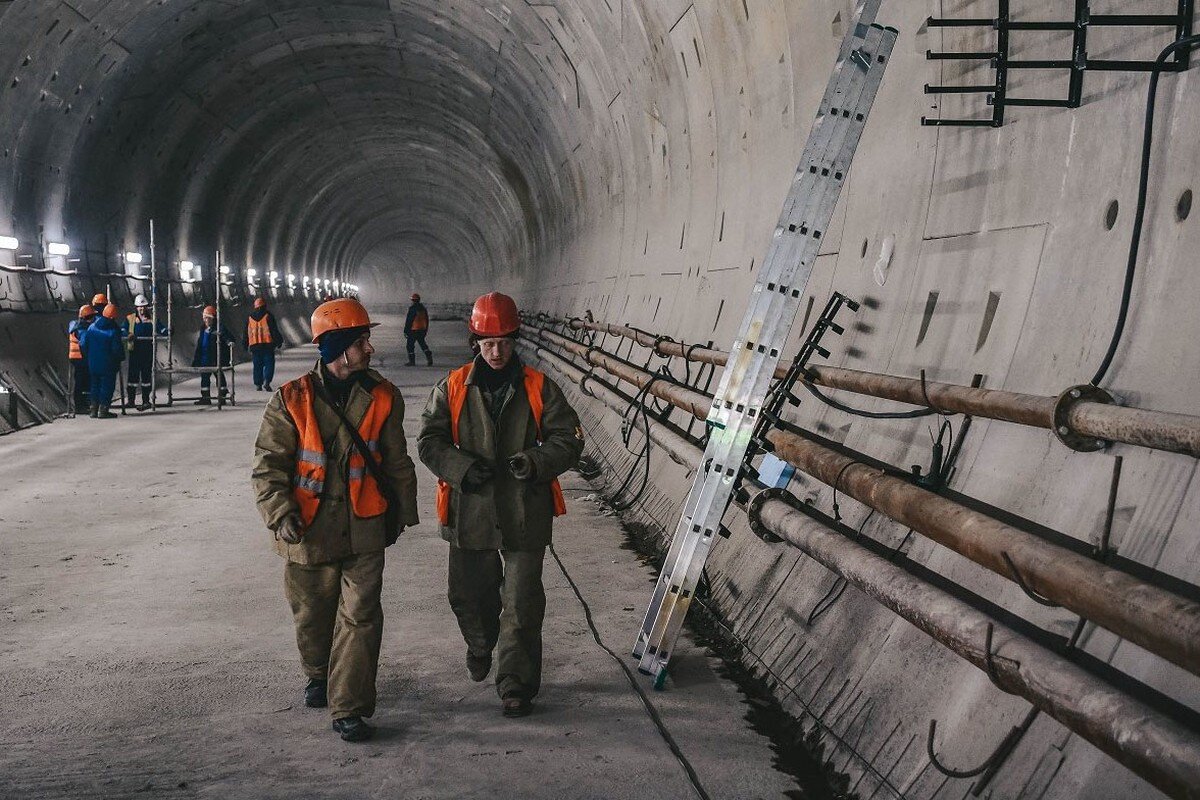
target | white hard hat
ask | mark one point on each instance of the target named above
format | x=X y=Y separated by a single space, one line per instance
x=141 y=300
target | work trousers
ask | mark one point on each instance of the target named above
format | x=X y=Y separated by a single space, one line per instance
x=501 y=604
x=101 y=387
x=263 y=359
x=206 y=381
x=415 y=338
x=339 y=627
x=82 y=384
x=140 y=373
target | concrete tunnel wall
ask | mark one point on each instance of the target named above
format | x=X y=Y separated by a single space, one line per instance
x=630 y=158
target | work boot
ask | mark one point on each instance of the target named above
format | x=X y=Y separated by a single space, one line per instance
x=257 y=388
x=429 y=358
x=353 y=729
x=205 y=399
x=517 y=706
x=222 y=399
x=94 y=412
x=105 y=413
x=145 y=404
x=267 y=387
x=316 y=693
x=412 y=361
x=479 y=666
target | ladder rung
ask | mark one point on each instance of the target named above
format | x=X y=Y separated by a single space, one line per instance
x=947 y=22
x=958 y=123
x=933 y=55
x=961 y=89
x=1133 y=20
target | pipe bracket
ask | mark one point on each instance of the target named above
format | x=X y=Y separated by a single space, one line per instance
x=754 y=511
x=1062 y=412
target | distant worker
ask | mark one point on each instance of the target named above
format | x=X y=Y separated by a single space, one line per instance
x=99 y=301
x=498 y=434
x=102 y=347
x=262 y=339
x=212 y=350
x=79 y=367
x=416 y=326
x=139 y=337
x=334 y=511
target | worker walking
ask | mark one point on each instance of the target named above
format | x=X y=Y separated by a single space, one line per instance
x=416 y=326
x=262 y=339
x=138 y=332
x=498 y=434
x=101 y=346
x=212 y=350
x=334 y=481
x=79 y=367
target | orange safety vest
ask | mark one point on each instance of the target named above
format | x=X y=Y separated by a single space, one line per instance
x=258 y=331
x=74 y=353
x=308 y=482
x=456 y=395
x=421 y=321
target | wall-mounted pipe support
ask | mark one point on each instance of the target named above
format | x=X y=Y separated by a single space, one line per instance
x=1156 y=619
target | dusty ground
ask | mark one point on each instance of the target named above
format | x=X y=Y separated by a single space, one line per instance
x=146 y=648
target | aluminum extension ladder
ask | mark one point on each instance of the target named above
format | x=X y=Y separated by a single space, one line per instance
x=769 y=316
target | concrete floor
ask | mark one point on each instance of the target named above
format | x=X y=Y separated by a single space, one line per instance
x=146 y=648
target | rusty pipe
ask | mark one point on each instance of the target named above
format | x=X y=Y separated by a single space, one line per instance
x=1159 y=430
x=1158 y=620
x=691 y=401
x=1156 y=747
x=680 y=450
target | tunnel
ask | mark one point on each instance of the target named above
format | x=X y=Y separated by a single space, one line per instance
x=958 y=547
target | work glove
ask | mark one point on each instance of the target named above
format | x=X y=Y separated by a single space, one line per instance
x=291 y=530
x=477 y=475
x=522 y=468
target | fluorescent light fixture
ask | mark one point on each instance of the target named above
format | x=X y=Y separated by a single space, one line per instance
x=251 y=275
x=291 y=278
x=58 y=249
x=225 y=269
x=133 y=258
x=327 y=283
x=8 y=243
x=305 y=283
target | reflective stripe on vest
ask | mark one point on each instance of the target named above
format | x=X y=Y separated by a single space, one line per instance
x=308 y=481
x=456 y=397
x=258 y=331
x=74 y=352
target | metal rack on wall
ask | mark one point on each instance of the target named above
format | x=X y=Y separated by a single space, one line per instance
x=1079 y=62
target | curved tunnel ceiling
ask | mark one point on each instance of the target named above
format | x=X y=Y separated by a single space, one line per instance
x=294 y=135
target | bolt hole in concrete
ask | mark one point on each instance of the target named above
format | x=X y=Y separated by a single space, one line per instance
x=1184 y=207
x=1110 y=215
x=864 y=249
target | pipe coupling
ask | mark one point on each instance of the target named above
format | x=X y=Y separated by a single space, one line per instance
x=754 y=512
x=1084 y=393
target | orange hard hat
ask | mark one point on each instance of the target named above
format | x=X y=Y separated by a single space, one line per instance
x=111 y=311
x=339 y=315
x=100 y=300
x=210 y=311
x=494 y=315
x=260 y=302
x=415 y=297
x=87 y=311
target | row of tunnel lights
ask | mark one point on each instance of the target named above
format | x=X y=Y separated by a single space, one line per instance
x=190 y=272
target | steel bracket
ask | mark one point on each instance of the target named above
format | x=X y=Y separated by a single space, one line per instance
x=1062 y=411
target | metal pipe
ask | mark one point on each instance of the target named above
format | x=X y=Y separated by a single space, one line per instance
x=681 y=451
x=1156 y=747
x=1158 y=620
x=1160 y=430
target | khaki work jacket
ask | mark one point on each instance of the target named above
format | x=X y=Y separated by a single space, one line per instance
x=335 y=533
x=506 y=513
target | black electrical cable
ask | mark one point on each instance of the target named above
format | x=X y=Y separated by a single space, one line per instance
x=655 y=717
x=1135 y=239
x=858 y=412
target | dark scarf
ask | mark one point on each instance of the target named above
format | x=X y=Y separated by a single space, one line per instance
x=497 y=386
x=339 y=390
